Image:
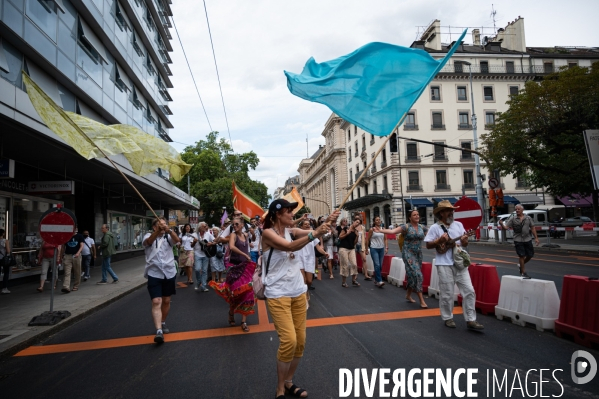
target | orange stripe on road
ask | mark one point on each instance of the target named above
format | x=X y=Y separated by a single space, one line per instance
x=263 y=326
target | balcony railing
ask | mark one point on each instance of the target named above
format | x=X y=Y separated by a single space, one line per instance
x=372 y=141
x=435 y=126
x=365 y=175
x=373 y=169
x=383 y=164
x=442 y=187
x=410 y=126
x=414 y=187
x=356 y=154
x=468 y=186
x=412 y=158
x=464 y=126
x=440 y=157
x=515 y=69
x=522 y=184
x=467 y=157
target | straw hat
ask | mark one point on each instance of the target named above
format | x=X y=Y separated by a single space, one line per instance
x=445 y=204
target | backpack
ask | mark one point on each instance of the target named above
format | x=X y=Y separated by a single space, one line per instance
x=220 y=253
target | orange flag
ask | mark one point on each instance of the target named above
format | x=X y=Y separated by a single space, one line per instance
x=244 y=204
x=294 y=196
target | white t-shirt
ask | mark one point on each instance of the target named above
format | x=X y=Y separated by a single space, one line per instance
x=87 y=248
x=160 y=261
x=197 y=249
x=455 y=230
x=284 y=278
x=308 y=257
x=186 y=240
x=255 y=244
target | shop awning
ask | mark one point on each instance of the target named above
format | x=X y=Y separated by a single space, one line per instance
x=365 y=201
x=528 y=199
x=576 y=200
x=418 y=202
x=508 y=199
x=452 y=200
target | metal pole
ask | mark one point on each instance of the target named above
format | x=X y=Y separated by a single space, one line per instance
x=479 y=182
x=54 y=278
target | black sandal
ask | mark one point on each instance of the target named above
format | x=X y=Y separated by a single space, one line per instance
x=244 y=327
x=231 y=319
x=296 y=391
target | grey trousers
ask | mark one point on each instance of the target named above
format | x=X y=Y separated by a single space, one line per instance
x=448 y=277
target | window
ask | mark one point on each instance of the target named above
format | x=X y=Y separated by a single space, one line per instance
x=439 y=154
x=509 y=66
x=462 y=93
x=513 y=91
x=489 y=118
x=488 y=93
x=359 y=195
x=384 y=155
x=349 y=152
x=484 y=67
x=438 y=120
x=435 y=93
x=441 y=176
x=366 y=189
x=468 y=179
x=355 y=130
x=372 y=139
x=466 y=155
x=348 y=134
x=412 y=151
x=121 y=17
x=393 y=143
x=413 y=180
x=363 y=143
x=548 y=67
x=351 y=175
x=375 y=189
x=521 y=182
x=572 y=64
x=43 y=14
x=356 y=154
x=463 y=120
x=91 y=43
x=385 y=187
x=410 y=122
x=458 y=67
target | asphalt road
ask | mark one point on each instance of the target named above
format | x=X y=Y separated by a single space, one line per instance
x=110 y=354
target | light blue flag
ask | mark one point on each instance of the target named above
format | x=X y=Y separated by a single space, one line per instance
x=373 y=87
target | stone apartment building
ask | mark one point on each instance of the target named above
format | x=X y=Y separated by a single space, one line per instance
x=408 y=174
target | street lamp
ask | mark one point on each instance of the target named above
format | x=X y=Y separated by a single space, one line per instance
x=479 y=182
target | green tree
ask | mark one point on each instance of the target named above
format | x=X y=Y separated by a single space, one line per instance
x=540 y=137
x=215 y=168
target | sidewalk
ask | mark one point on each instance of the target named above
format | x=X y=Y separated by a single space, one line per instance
x=24 y=302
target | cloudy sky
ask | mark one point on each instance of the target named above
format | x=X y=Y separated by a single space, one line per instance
x=256 y=40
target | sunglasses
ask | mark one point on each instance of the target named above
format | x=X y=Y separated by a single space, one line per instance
x=236 y=224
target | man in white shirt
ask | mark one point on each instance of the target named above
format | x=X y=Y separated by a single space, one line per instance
x=444 y=236
x=203 y=239
x=89 y=250
x=161 y=273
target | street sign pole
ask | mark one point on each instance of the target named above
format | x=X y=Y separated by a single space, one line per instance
x=56 y=227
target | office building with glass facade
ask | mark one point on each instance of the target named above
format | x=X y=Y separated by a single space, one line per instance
x=104 y=59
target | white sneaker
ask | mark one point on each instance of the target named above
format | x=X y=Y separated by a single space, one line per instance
x=5 y=291
x=82 y=274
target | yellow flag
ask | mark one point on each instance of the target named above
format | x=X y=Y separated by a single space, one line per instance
x=77 y=131
x=156 y=153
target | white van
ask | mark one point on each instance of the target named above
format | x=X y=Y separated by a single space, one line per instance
x=539 y=218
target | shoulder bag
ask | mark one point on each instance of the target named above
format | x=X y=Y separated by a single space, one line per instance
x=257 y=283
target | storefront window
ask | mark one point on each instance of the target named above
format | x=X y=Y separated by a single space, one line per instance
x=129 y=230
x=24 y=232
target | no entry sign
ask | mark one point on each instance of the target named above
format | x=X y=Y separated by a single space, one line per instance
x=57 y=226
x=470 y=213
